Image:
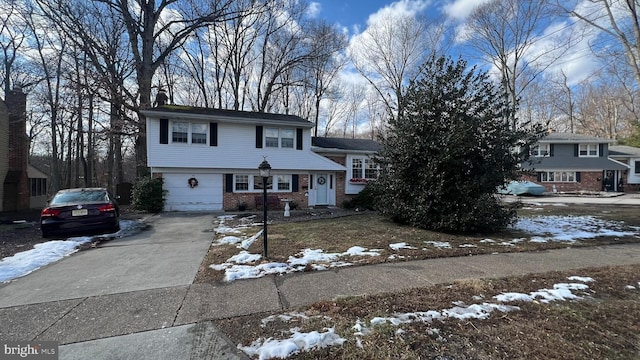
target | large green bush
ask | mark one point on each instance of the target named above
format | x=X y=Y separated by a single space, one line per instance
x=148 y=195
x=448 y=150
x=364 y=200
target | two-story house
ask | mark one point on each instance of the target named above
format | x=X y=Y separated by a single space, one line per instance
x=566 y=162
x=209 y=159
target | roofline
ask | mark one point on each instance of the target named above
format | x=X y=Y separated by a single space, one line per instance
x=576 y=141
x=319 y=149
x=175 y=115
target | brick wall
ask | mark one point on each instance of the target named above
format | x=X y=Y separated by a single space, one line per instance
x=589 y=181
x=16 y=183
x=231 y=200
x=4 y=149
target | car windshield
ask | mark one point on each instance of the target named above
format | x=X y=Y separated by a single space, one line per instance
x=79 y=197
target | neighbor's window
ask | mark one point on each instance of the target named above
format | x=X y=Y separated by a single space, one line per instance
x=540 y=150
x=558 y=176
x=38 y=186
x=588 y=150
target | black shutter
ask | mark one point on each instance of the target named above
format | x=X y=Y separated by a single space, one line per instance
x=258 y=137
x=294 y=183
x=551 y=150
x=575 y=150
x=299 y=139
x=213 y=134
x=601 y=150
x=164 y=131
x=539 y=177
x=577 y=176
x=228 y=180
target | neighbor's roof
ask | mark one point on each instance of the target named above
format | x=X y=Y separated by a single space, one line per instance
x=624 y=151
x=557 y=137
x=192 y=112
x=332 y=143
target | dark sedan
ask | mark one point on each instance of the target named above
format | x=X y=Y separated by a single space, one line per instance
x=83 y=211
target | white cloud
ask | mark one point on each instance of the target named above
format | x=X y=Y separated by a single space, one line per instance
x=314 y=9
x=403 y=8
x=460 y=9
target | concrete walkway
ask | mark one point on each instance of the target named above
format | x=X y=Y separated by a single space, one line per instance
x=121 y=302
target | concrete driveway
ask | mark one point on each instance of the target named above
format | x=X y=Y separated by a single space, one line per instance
x=167 y=255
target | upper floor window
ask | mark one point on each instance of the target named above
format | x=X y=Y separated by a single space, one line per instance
x=540 y=150
x=189 y=133
x=276 y=137
x=588 y=150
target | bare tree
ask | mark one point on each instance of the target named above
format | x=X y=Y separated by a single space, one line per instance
x=619 y=20
x=388 y=53
x=505 y=31
x=12 y=35
x=324 y=64
x=154 y=30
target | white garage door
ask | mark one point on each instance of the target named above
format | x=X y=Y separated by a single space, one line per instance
x=206 y=196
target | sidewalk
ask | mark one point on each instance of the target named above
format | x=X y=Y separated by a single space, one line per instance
x=174 y=322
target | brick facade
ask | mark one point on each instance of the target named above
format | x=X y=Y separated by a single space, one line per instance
x=231 y=201
x=16 y=182
x=589 y=181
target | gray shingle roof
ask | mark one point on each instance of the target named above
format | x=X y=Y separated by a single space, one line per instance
x=623 y=150
x=346 y=144
x=250 y=115
x=572 y=138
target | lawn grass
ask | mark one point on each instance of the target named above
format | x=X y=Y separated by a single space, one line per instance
x=371 y=231
x=602 y=324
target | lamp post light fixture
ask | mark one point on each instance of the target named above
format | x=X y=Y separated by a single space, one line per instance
x=265 y=172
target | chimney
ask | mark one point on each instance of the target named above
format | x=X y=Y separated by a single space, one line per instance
x=17 y=181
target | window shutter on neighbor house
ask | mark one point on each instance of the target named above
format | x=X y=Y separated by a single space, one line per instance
x=294 y=183
x=539 y=174
x=577 y=176
x=575 y=150
x=298 y=139
x=213 y=134
x=258 y=137
x=164 y=131
x=228 y=183
x=601 y=150
x=551 y=150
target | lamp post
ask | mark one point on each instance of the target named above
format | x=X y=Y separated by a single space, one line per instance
x=265 y=171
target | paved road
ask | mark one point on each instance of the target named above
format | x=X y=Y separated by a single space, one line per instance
x=134 y=298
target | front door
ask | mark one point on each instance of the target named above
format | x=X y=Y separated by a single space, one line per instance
x=322 y=189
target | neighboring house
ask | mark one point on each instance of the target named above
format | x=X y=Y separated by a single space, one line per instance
x=569 y=162
x=209 y=159
x=4 y=149
x=38 y=182
x=630 y=156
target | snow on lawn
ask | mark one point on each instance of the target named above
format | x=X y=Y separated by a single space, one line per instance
x=543 y=228
x=48 y=252
x=297 y=342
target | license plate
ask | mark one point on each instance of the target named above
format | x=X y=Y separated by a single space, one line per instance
x=80 y=212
